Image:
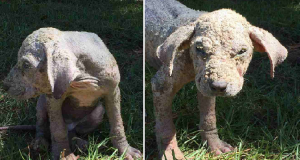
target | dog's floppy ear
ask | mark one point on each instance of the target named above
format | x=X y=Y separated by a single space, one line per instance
x=263 y=41
x=176 y=42
x=61 y=67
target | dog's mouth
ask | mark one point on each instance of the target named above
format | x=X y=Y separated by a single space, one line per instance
x=21 y=93
x=219 y=93
x=217 y=88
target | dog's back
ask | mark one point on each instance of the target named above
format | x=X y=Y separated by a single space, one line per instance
x=163 y=17
x=94 y=58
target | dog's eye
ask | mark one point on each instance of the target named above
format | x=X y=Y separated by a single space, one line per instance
x=26 y=65
x=242 y=51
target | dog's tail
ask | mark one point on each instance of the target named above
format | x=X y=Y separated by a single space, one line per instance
x=18 y=127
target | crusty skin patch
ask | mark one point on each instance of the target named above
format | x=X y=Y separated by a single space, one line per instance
x=220 y=58
x=221 y=44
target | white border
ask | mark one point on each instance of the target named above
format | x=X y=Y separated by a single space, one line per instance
x=144 y=110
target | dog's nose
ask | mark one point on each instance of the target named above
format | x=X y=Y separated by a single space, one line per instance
x=218 y=86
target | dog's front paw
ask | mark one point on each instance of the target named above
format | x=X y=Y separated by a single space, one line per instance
x=168 y=154
x=61 y=150
x=40 y=144
x=218 y=146
x=70 y=157
x=132 y=153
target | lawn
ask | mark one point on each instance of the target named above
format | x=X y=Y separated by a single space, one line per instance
x=118 y=23
x=263 y=120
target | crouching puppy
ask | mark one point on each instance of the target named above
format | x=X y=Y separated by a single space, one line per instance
x=214 y=50
x=72 y=73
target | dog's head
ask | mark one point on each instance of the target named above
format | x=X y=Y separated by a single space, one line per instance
x=43 y=67
x=221 y=44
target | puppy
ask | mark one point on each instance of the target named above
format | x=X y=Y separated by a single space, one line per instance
x=72 y=73
x=212 y=48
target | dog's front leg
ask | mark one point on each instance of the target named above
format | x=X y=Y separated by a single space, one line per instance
x=208 y=126
x=58 y=129
x=113 y=109
x=42 y=125
x=164 y=88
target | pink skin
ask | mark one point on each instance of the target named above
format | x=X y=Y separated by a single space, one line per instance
x=208 y=125
x=164 y=89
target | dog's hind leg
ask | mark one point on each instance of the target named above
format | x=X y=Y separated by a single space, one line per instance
x=85 y=126
x=91 y=121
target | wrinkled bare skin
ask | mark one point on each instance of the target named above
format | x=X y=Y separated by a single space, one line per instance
x=214 y=50
x=72 y=72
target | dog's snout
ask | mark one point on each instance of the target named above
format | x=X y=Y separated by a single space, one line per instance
x=218 y=86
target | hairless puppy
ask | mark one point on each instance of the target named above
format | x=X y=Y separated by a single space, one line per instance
x=72 y=73
x=212 y=48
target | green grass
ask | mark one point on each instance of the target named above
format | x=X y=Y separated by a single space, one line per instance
x=263 y=120
x=118 y=23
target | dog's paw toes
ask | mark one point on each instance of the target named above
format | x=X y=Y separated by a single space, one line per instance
x=133 y=153
x=40 y=144
x=170 y=152
x=70 y=157
x=221 y=147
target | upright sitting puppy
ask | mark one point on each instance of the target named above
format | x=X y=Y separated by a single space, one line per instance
x=213 y=49
x=72 y=72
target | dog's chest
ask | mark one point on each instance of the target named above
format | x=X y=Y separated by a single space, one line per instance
x=82 y=99
x=85 y=94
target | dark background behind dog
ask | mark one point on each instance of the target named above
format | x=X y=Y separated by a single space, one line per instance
x=262 y=121
x=118 y=23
